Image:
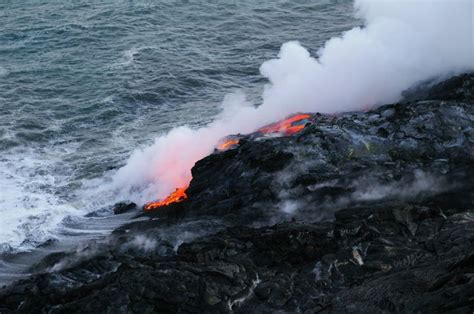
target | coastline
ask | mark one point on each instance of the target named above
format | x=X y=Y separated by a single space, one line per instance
x=376 y=215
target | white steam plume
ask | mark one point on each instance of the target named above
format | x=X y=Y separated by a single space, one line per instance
x=402 y=43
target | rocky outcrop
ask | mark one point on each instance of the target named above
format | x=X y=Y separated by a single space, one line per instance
x=358 y=212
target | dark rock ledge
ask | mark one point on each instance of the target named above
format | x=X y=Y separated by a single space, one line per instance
x=359 y=212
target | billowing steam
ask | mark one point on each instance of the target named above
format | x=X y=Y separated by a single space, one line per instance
x=403 y=42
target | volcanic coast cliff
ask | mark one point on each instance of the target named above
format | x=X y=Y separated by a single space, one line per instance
x=357 y=212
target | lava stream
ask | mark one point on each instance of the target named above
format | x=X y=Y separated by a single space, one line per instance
x=289 y=126
x=227 y=144
x=286 y=126
x=177 y=196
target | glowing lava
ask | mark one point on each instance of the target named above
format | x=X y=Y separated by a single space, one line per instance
x=287 y=127
x=177 y=196
x=228 y=143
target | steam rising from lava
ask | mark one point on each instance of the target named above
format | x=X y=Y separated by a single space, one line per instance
x=402 y=43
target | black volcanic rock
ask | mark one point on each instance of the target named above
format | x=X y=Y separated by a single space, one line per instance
x=360 y=212
x=123 y=207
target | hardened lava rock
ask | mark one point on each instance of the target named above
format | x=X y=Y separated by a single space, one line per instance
x=359 y=212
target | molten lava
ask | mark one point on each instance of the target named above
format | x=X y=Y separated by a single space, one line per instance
x=287 y=127
x=176 y=197
x=227 y=144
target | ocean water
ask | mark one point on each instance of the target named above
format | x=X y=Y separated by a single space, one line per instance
x=83 y=85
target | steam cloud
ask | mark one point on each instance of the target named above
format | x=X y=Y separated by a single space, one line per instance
x=402 y=43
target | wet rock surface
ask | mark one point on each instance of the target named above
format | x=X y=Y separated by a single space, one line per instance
x=358 y=212
x=121 y=208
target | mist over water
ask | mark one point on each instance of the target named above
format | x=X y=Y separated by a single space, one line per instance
x=401 y=43
x=82 y=86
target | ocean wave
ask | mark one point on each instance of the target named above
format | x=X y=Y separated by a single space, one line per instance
x=29 y=209
x=3 y=72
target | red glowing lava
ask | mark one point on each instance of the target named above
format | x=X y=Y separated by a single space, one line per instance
x=287 y=127
x=228 y=143
x=177 y=196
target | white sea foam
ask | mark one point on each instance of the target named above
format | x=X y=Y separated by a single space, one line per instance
x=35 y=208
x=29 y=209
x=129 y=55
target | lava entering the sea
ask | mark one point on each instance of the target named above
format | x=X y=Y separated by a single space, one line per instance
x=288 y=126
x=177 y=196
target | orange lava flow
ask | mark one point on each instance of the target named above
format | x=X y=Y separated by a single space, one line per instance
x=177 y=196
x=227 y=144
x=286 y=126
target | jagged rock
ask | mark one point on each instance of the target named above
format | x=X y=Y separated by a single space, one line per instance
x=123 y=207
x=360 y=212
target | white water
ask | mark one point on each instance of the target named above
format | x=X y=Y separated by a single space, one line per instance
x=29 y=212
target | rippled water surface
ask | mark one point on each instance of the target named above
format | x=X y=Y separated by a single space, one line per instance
x=82 y=85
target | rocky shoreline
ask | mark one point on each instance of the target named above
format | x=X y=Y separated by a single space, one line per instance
x=359 y=212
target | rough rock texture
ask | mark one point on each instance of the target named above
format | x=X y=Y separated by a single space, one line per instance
x=121 y=208
x=359 y=212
